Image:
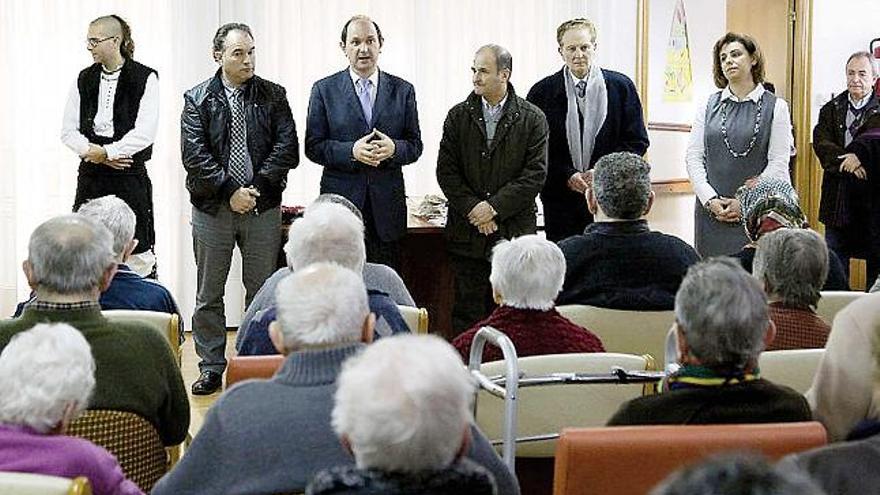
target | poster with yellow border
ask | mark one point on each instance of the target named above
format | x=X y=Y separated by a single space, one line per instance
x=678 y=80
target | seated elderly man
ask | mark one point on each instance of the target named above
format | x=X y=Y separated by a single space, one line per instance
x=403 y=410
x=793 y=264
x=70 y=261
x=845 y=390
x=46 y=378
x=845 y=400
x=272 y=436
x=722 y=325
x=769 y=204
x=527 y=273
x=377 y=277
x=738 y=474
x=618 y=262
x=328 y=232
x=127 y=290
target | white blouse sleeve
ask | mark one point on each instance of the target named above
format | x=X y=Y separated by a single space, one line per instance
x=781 y=143
x=695 y=157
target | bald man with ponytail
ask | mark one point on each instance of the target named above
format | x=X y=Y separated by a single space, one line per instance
x=110 y=122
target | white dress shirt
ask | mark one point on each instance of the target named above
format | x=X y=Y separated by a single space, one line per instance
x=778 y=151
x=374 y=79
x=145 y=126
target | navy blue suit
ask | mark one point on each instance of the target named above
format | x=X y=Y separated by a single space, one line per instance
x=336 y=121
x=565 y=211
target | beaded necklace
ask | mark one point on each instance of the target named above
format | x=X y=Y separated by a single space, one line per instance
x=740 y=154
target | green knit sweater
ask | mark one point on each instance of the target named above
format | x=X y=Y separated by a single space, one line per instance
x=134 y=368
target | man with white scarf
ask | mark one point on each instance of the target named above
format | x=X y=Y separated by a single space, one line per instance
x=591 y=112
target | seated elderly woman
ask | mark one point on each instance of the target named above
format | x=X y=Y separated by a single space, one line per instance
x=769 y=204
x=527 y=274
x=722 y=325
x=793 y=264
x=46 y=378
x=403 y=409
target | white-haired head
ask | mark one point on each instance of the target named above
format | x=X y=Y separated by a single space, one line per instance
x=321 y=305
x=118 y=217
x=70 y=255
x=327 y=232
x=404 y=404
x=47 y=375
x=527 y=272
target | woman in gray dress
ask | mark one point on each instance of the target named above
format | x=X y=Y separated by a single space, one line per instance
x=742 y=131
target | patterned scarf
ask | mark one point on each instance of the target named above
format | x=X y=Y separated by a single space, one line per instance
x=767 y=205
x=694 y=376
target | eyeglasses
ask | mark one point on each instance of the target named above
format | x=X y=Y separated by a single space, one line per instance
x=93 y=42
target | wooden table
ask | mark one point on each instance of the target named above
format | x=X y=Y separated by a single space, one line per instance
x=424 y=267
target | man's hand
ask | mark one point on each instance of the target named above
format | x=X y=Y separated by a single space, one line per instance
x=121 y=163
x=861 y=173
x=481 y=213
x=488 y=228
x=383 y=147
x=95 y=154
x=850 y=163
x=364 y=150
x=577 y=183
x=244 y=199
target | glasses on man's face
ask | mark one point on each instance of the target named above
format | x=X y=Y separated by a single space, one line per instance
x=93 y=42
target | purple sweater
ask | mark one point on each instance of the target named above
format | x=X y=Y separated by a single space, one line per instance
x=24 y=450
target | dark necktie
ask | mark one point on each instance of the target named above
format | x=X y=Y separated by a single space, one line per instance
x=237 y=145
x=581 y=88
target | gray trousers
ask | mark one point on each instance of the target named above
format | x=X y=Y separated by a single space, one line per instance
x=214 y=237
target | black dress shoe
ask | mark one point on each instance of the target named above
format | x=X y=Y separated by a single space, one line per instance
x=208 y=383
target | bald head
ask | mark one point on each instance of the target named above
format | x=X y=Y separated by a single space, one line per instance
x=110 y=35
x=108 y=25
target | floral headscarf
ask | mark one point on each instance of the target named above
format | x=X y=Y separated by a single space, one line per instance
x=767 y=204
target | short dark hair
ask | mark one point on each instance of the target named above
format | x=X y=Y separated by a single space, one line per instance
x=503 y=58
x=223 y=31
x=750 y=45
x=344 y=35
x=622 y=185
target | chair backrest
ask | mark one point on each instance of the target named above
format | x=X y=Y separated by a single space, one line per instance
x=630 y=460
x=130 y=438
x=546 y=409
x=416 y=318
x=246 y=367
x=628 y=332
x=168 y=324
x=41 y=484
x=832 y=301
x=793 y=368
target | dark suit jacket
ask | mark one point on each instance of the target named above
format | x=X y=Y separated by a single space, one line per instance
x=336 y=121
x=623 y=130
x=844 y=196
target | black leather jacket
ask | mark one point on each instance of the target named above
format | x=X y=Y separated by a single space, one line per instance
x=204 y=139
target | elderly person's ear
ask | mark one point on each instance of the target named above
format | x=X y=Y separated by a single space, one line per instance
x=592 y=202
x=367 y=333
x=128 y=249
x=497 y=297
x=276 y=337
x=770 y=335
x=650 y=204
x=28 y=268
x=107 y=277
x=683 y=349
x=465 y=442
x=69 y=414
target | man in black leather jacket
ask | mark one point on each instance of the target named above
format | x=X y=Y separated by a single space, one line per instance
x=238 y=140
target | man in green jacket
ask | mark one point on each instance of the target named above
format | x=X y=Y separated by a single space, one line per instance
x=491 y=165
x=70 y=261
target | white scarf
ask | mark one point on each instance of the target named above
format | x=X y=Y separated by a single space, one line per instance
x=595 y=110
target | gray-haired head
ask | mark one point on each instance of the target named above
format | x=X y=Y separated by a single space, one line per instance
x=622 y=185
x=722 y=313
x=327 y=232
x=219 y=42
x=793 y=265
x=737 y=474
x=404 y=404
x=503 y=58
x=43 y=371
x=862 y=54
x=321 y=304
x=114 y=214
x=527 y=272
x=338 y=199
x=69 y=254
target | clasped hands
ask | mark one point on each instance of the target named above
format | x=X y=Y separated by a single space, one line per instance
x=851 y=164
x=98 y=155
x=373 y=148
x=244 y=199
x=725 y=209
x=580 y=181
x=482 y=216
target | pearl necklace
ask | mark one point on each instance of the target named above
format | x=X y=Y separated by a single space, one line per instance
x=741 y=154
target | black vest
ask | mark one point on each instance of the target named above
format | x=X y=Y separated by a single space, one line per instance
x=127 y=102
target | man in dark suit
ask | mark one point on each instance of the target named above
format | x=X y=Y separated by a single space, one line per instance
x=362 y=126
x=591 y=112
x=845 y=204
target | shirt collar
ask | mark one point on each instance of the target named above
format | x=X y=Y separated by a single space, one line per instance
x=861 y=103
x=55 y=306
x=639 y=226
x=574 y=80
x=494 y=108
x=754 y=95
x=355 y=77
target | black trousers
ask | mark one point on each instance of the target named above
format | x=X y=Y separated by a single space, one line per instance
x=379 y=251
x=473 y=292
